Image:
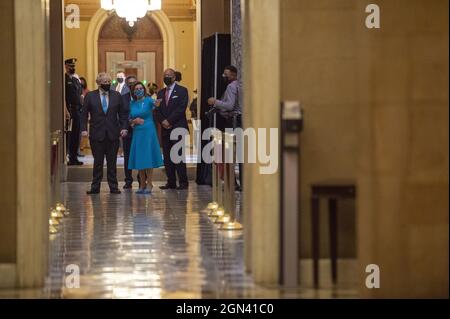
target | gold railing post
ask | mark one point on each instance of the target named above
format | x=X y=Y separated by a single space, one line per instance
x=228 y=220
x=56 y=214
x=214 y=205
x=218 y=160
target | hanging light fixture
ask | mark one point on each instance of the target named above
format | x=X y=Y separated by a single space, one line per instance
x=131 y=10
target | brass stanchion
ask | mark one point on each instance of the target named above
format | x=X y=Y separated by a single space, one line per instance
x=228 y=220
x=218 y=191
x=58 y=213
x=214 y=205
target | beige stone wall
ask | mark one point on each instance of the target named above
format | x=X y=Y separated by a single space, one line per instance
x=403 y=168
x=318 y=63
x=376 y=110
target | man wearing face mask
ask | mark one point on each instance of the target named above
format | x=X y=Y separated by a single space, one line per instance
x=74 y=92
x=130 y=82
x=229 y=106
x=171 y=113
x=120 y=85
x=108 y=121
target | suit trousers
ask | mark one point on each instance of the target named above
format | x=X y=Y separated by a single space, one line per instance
x=74 y=135
x=173 y=169
x=126 y=154
x=100 y=150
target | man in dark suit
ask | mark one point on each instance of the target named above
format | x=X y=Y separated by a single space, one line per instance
x=74 y=91
x=108 y=122
x=121 y=85
x=130 y=82
x=171 y=113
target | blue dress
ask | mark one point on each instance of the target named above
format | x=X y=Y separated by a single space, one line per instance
x=145 y=152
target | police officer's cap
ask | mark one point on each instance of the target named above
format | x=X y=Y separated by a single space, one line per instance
x=70 y=62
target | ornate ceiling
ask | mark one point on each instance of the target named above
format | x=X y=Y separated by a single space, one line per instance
x=175 y=9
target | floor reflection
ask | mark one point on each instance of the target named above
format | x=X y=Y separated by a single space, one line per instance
x=159 y=246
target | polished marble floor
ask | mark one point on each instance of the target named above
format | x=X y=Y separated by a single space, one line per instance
x=158 y=246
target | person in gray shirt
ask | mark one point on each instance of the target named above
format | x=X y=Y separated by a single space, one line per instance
x=229 y=107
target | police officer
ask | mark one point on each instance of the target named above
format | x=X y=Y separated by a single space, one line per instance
x=74 y=91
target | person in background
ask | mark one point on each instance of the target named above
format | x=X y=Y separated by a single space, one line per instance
x=84 y=142
x=145 y=154
x=193 y=107
x=84 y=86
x=171 y=113
x=121 y=86
x=229 y=106
x=108 y=121
x=178 y=76
x=127 y=98
x=152 y=90
x=74 y=104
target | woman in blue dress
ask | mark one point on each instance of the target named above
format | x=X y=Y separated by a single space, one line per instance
x=145 y=153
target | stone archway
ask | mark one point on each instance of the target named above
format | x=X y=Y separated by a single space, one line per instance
x=95 y=27
x=137 y=51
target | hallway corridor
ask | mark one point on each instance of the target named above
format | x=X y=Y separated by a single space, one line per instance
x=134 y=246
x=150 y=247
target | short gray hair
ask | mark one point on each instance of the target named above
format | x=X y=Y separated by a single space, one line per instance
x=102 y=76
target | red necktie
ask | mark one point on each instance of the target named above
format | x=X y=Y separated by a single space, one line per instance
x=167 y=96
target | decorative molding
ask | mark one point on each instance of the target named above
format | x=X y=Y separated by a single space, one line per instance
x=117 y=28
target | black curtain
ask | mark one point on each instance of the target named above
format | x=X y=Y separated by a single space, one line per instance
x=209 y=69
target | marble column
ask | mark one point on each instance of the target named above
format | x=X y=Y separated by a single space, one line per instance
x=29 y=144
x=236 y=34
x=261 y=192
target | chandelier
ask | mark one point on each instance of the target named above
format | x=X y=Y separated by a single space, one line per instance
x=131 y=10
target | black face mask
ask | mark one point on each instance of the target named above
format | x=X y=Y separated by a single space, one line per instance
x=168 y=81
x=71 y=70
x=226 y=79
x=130 y=86
x=106 y=87
x=120 y=80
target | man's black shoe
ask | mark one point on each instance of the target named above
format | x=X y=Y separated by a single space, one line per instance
x=92 y=192
x=116 y=191
x=165 y=187
x=128 y=186
x=183 y=187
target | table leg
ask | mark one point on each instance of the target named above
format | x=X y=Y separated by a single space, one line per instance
x=333 y=225
x=315 y=238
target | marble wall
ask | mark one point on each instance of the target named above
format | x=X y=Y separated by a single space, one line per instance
x=236 y=34
x=376 y=111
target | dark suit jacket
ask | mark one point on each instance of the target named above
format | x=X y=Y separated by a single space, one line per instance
x=174 y=111
x=103 y=125
x=73 y=93
x=126 y=103
x=124 y=90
